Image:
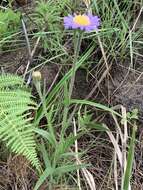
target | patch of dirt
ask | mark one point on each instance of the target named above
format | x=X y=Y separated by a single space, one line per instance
x=49 y=73
x=16 y=174
x=127 y=88
x=14 y=61
x=81 y=86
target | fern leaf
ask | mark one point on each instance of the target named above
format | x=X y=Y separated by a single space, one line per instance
x=10 y=80
x=16 y=129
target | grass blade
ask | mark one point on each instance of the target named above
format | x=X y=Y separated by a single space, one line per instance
x=130 y=159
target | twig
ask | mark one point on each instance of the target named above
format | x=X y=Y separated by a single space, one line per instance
x=103 y=52
x=135 y=23
x=54 y=80
x=26 y=37
x=30 y=52
x=106 y=72
x=115 y=164
x=76 y=154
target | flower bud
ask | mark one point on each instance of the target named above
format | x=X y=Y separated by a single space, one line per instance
x=36 y=75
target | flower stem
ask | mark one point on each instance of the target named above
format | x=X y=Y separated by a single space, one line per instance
x=42 y=98
x=77 y=45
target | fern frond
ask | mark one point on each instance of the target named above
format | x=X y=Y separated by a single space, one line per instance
x=16 y=129
x=10 y=80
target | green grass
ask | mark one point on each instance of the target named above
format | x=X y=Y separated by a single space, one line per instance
x=80 y=143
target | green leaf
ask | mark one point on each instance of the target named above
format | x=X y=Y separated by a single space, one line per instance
x=65 y=144
x=130 y=159
x=45 y=135
x=69 y=168
x=97 y=105
x=57 y=171
x=45 y=155
x=15 y=122
x=49 y=171
x=97 y=126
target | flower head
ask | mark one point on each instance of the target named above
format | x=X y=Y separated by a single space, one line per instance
x=36 y=75
x=86 y=22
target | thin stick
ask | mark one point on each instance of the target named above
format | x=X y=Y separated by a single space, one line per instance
x=102 y=50
x=135 y=23
x=32 y=54
x=54 y=80
x=26 y=37
x=76 y=154
x=115 y=164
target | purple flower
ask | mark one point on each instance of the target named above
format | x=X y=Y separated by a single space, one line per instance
x=83 y=22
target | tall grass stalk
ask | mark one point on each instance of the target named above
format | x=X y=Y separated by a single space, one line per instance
x=130 y=159
x=77 y=44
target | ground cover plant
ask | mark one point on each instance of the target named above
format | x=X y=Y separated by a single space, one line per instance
x=71 y=94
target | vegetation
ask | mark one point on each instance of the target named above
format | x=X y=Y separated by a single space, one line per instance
x=68 y=107
x=16 y=129
x=9 y=24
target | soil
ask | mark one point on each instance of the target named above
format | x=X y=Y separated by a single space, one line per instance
x=14 y=62
x=127 y=88
x=16 y=174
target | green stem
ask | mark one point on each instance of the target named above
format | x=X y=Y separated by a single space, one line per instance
x=38 y=87
x=77 y=44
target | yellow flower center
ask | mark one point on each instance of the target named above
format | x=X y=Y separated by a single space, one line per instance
x=82 y=20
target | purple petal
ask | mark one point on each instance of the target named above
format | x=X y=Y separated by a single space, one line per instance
x=94 y=23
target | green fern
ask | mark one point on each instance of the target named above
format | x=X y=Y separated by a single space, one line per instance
x=15 y=127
